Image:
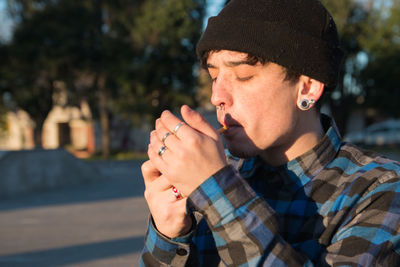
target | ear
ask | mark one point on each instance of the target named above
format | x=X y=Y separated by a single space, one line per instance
x=309 y=89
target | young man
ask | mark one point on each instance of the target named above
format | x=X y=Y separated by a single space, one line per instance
x=290 y=193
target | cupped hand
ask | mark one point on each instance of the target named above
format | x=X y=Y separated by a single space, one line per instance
x=168 y=212
x=193 y=153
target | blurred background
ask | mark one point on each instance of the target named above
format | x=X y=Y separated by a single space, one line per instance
x=90 y=77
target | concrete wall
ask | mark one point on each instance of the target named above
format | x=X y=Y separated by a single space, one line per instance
x=40 y=170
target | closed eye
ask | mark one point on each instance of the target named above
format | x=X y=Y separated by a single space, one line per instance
x=243 y=79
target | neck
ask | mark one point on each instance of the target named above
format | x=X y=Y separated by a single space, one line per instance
x=307 y=134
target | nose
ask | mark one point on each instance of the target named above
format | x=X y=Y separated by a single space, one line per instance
x=221 y=94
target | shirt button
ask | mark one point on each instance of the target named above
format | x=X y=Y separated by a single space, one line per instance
x=181 y=251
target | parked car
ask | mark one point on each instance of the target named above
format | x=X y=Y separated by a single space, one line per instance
x=377 y=134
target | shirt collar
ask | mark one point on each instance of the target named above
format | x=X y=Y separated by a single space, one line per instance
x=303 y=168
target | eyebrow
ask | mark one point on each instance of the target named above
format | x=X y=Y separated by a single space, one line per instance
x=232 y=64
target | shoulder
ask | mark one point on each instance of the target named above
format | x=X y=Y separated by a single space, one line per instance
x=368 y=161
x=355 y=179
x=360 y=166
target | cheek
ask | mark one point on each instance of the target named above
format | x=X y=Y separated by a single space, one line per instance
x=273 y=105
x=271 y=115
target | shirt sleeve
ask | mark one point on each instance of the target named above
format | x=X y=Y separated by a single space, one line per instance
x=246 y=231
x=161 y=251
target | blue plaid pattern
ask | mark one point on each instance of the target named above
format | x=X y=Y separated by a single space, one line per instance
x=336 y=205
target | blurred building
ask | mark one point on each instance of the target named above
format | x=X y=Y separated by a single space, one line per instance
x=18 y=131
x=70 y=127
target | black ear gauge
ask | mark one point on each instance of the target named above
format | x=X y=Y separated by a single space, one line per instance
x=305 y=104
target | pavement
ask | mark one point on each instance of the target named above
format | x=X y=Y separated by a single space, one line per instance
x=97 y=224
x=91 y=225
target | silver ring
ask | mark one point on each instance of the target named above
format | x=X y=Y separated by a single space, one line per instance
x=177 y=127
x=165 y=137
x=162 y=150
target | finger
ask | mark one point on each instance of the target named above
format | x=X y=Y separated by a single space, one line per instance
x=160 y=190
x=198 y=122
x=163 y=133
x=158 y=146
x=171 y=141
x=155 y=158
x=149 y=172
x=171 y=122
x=155 y=141
x=161 y=185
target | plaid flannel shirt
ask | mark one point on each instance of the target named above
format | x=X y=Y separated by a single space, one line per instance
x=334 y=205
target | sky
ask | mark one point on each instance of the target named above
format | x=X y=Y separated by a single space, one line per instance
x=5 y=23
x=214 y=6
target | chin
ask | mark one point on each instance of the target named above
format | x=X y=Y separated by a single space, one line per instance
x=243 y=151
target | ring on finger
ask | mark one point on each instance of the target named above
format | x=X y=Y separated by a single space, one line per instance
x=165 y=137
x=177 y=127
x=162 y=150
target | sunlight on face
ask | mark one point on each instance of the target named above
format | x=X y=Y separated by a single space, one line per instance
x=259 y=104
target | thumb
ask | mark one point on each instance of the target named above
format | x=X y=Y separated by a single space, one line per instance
x=198 y=122
x=149 y=172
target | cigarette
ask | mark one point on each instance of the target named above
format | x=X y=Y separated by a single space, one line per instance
x=222 y=129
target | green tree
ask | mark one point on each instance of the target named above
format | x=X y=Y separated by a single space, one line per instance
x=3 y=56
x=350 y=17
x=126 y=56
x=370 y=36
x=380 y=78
x=165 y=33
x=30 y=84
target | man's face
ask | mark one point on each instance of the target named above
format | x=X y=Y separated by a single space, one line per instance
x=259 y=104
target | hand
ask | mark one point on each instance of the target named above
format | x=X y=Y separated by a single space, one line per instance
x=193 y=154
x=168 y=212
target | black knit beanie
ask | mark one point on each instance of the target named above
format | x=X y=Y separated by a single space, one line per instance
x=297 y=34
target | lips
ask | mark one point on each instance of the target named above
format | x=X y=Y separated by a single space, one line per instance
x=231 y=124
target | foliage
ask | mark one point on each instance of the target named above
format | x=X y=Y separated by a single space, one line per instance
x=165 y=33
x=132 y=58
x=380 y=78
x=369 y=32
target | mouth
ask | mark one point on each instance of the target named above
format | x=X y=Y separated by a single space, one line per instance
x=229 y=126
x=222 y=129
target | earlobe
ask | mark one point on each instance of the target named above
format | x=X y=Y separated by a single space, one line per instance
x=309 y=93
